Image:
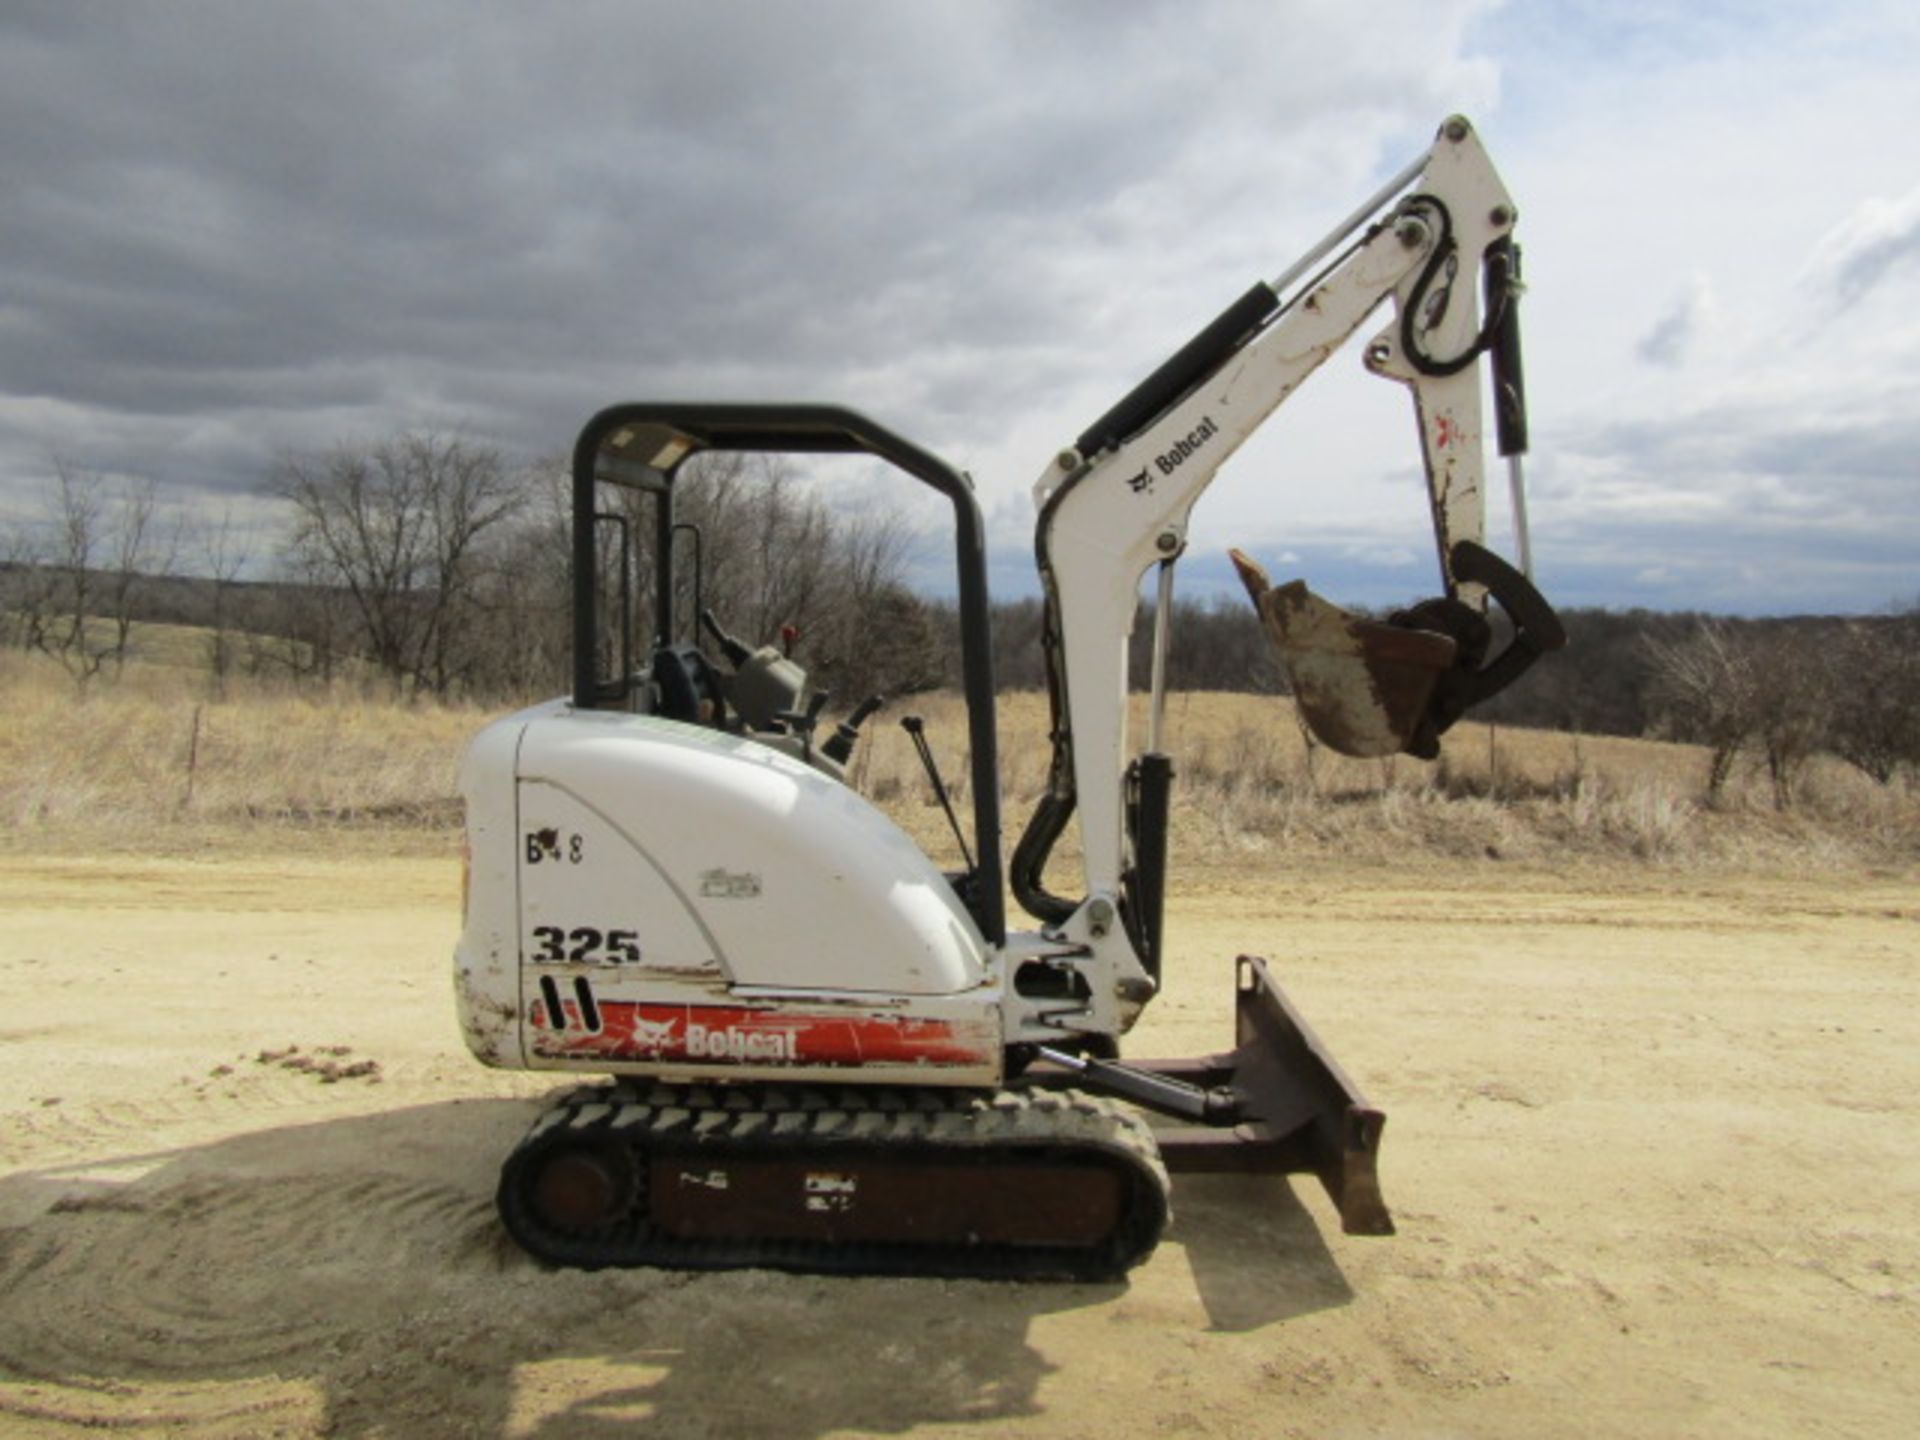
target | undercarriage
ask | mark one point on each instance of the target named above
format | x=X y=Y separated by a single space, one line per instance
x=1040 y=1180
x=1027 y=1183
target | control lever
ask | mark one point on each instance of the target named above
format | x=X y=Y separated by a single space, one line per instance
x=802 y=722
x=840 y=744
x=737 y=653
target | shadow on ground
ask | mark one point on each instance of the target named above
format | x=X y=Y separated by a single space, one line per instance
x=349 y=1275
x=1258 y=1256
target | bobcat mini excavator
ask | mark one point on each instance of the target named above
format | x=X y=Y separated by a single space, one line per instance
x=828 y=1054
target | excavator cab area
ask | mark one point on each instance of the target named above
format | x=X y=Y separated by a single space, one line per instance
x=639 y=612
x=643 y=599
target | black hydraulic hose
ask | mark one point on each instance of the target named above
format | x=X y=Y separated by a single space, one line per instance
x=1026 y=872
x=1444 y=250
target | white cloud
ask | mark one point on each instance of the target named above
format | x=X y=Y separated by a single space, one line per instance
x=1858 y=253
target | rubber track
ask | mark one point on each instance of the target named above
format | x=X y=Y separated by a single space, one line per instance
x=782 y=1120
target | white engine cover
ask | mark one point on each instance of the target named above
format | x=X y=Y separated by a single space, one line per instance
x=648 y=895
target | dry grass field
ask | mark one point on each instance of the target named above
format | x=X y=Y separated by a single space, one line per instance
x=150 y=762
x=1650 y=1069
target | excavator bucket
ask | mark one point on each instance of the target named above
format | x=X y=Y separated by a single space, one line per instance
x=1361 y=686
x=1298 y=1111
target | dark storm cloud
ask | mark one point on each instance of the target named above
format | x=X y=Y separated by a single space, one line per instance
x=231 y=228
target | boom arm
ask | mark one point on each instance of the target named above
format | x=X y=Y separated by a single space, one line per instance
x=1119 y=502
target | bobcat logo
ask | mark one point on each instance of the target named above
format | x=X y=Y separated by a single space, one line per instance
x=651 y=1037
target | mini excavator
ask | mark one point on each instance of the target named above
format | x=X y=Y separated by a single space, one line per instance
x=815 y=1049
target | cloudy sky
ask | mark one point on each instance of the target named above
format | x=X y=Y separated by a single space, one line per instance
x=231 y=230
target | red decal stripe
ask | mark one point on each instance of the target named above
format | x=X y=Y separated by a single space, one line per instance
x=732 y=1035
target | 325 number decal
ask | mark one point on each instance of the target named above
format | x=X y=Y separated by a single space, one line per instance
x=585 y=945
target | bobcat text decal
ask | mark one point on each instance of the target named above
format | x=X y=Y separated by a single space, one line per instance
x=1184 y=447
x=733 y=1035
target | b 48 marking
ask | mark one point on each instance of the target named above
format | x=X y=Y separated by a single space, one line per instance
x=546 y=846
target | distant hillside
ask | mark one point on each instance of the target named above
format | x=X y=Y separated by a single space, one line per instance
x=1608 y=681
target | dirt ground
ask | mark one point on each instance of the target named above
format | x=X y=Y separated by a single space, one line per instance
x=1651 y=1147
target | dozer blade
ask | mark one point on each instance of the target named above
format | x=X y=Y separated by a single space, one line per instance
x=1299 y=1111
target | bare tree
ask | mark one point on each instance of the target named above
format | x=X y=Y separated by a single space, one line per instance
x=32 y=590
x=1876 y=694
x=521 y=599
x=1773 y=688
x=80 y=588
x=222 y=556
x=397 y=526
x=778 y=558
x=1796 y=677
x=74 y=521
x=300 y=628
x=135 y=550
x=1709 y=691
x=764 y=543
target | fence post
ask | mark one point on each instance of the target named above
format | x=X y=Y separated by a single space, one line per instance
x=193 y=758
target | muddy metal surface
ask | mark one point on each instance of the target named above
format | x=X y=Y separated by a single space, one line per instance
x=1651 y=1146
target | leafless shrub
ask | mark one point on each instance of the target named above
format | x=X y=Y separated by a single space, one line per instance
x=1795 y=705
x=1708 y=688
x=1785 y=693
x=1876 y=719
